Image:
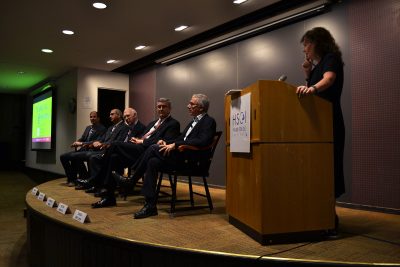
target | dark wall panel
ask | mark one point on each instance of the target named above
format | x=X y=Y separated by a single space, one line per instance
x=367 y=32
x=212 y=74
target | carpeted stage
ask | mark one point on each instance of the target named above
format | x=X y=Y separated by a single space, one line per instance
x=192 y=237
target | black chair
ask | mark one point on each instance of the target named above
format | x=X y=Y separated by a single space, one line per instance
x=191 y=168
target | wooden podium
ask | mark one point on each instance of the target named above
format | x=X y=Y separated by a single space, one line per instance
x=282 y=191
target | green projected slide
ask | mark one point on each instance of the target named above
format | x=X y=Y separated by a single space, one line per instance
x=41 y=120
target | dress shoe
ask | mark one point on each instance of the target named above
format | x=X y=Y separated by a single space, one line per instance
x=70 y=184
x=123 y=181
x=104 y=202
x=102 y=193
x=147 y=211
x=91 y=190
x=81 y=181
x=83 y=184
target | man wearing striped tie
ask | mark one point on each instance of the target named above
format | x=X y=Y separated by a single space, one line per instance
x=125 y=154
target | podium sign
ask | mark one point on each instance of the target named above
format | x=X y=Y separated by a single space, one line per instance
x=283 y=188
x=240 y=124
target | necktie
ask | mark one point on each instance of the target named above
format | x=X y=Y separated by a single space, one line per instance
x=153 y=129
x=127 y=136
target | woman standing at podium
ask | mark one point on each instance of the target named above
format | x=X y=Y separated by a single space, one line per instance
x=323 y=68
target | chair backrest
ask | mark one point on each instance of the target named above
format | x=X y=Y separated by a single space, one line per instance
x=214 y=144
x=202 y=166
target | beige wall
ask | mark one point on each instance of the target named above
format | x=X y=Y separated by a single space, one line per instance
x=80 y=84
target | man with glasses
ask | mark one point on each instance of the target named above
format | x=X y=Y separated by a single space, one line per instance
x=199 y=132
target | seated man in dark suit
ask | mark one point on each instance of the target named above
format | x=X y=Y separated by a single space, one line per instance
x=92 y=132
x=199 y=132
x=116 y=132
x=98 y=164
x=122 y=154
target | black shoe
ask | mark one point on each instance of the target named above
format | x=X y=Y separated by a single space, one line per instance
x=91 y=190
x=147 y=211
x=83 y=184
x=81 y=181
x=123 y=181
x=102 y=193
x=104 y=202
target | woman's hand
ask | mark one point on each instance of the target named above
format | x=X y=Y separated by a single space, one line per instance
x=305 y=90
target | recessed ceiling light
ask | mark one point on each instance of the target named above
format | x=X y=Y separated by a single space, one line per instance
x=111 y=61
x=99 y=5
x=45 y=50
x=140 y=47
x=238 y=2
x=180 y=28
x=68 y=32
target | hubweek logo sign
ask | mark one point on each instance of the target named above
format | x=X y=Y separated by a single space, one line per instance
x=240 y=124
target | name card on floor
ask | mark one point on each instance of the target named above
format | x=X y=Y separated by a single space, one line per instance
x=62 y=208
x=51 y=202
x=81 y=216
x=35 y=191
x=42 y=196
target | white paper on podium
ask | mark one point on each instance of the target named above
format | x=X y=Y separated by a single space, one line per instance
x=240 y=124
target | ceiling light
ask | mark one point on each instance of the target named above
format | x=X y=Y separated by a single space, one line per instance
x=111 y=61
x=68 y=32
x=238 y=2
x=180 y=28
x=45 y=50
x=140 y=47
x=99 y=5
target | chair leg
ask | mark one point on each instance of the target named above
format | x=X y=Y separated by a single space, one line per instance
x=208 y=193
x=159 y=186
x=173 y=200
x=191 y=191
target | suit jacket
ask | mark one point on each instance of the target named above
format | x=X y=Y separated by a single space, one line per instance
x=137 y=130
x=119 y=133
x=97 y=132
x=167 y=131
x=201 y=135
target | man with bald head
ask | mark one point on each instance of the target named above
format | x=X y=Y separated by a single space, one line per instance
x=99 y=165
x=125 y=154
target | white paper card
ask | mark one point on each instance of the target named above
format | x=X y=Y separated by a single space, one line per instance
x=35 y=190
x=50 y=202
x=240 y=124
x=80 y=216
x=62 y=208
x=42 y=196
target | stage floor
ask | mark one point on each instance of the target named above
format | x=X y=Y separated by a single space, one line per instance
x=365 y=237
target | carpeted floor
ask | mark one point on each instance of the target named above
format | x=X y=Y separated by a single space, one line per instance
x=13 y=246
x=366 y=237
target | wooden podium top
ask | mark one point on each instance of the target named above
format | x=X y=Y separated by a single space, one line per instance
x=279 y=115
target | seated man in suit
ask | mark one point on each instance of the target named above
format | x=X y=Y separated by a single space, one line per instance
x=91 y=133
x=199 y=132
x=123 y=154
x=98 y=164
x=116 y=132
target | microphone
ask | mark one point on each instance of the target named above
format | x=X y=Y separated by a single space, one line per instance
x=282 y=78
